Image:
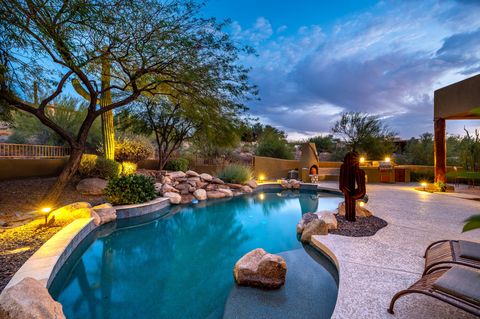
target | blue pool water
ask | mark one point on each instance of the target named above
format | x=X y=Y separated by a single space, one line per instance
x=178 y=263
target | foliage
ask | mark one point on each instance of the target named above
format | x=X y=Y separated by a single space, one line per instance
x=133 y=148
x=422 y=176
x=131 y=189
x=273 y=143
x=324 y=143
x=67 y=112
x=235 y=173
x=471 y=223
x=464 y=175
x=365 y=134
x=177 y=164
x=128 y=168
x=97 y=166
x=153 y=48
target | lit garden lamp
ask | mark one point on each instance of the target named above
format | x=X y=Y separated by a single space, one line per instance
x=362 y=160
x=45 y=211
x=424 y=185
x=363 y=201
x=261 y=177
x=387 y=159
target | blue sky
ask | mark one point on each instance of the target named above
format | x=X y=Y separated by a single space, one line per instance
x=316 y=59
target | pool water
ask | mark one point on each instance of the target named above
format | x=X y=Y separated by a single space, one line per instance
x=179 y=264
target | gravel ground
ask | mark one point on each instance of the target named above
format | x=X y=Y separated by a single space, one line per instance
x=363 y=227
x=17 y=199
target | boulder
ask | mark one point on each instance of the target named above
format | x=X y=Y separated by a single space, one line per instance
x=234 y=186
x=315 y=227
x=167 y=188
x=72 y=211
x=329 y=218
x=252 y=184
x=306 y=218
x=103 y=214
x=177 y=174
x=206 y=177
x=359 y=211
x=184 y=191
x=201 y=184
x=158 y=187
x=166 y=180
x=228 y=192
x=187 y=199
x=217 y=180
x=200 y=194
x=191 y=189
x=260 y=269
x=211 y=187
x=285 y=184
x=295 y=184
x=29 y=299
x=192 y=174
x=92 y=186
x=215 y=194
x=174 y=198
x=183 y=186
x=246 y=189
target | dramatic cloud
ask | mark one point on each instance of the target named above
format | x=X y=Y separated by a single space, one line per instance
x=387 y=61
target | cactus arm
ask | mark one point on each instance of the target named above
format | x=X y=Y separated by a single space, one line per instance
x=80 y=90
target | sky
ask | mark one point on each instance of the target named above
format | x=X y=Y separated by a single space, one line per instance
x=317 y=59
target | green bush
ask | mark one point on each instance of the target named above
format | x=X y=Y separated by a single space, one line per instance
x=464 y=176
x=96 y=166
x=235 y=173
x=87 y=166
x=133 y=149
x=274 y=144
x=107 y=168
x=177 y=164
x=131 y=189
x=128 y=168
x=422 y=176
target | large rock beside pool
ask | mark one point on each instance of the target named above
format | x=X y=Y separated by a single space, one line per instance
x=360 y=211
x=176 y=175
x=206 y=177
x=227 y=191
x=215 y=194
x=187 y=199
x=167 y=188
x=103 y=214
x=29 y=299
x=315 y=227
x=200 y=194
x=329 y=218
x=174 y=198
x=260 y=269
x=252 y=184
x=246 y=189
x=92 y=186
x=192 y=174
x=306 y=218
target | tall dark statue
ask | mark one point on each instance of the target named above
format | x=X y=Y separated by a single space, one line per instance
x=352 y=183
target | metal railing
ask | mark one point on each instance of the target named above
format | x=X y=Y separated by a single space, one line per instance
x=9 y=150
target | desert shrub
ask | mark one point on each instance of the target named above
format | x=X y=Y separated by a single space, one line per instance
x=421 y=176
x=131 y=189
x=133 y=149
x=177 y=164
x=87 y=166
x=235 y=173
x=107 y=168
x=273 y=143
x=128 y=168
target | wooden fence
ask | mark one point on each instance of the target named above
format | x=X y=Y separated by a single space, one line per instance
x=8 y=150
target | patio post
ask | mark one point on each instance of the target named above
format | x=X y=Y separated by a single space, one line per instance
x=440 y=151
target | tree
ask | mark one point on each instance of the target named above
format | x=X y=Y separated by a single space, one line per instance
x=153 y=47
x=365 y=134
x=273 y=143
x=420 y=151
x=324 y=143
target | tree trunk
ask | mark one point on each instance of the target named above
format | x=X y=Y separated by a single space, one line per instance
x=51 y=199
x=107 y=117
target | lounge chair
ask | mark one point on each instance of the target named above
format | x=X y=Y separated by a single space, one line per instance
x=444 y=254
x=457 y=286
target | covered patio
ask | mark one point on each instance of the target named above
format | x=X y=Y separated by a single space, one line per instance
x=458 y=101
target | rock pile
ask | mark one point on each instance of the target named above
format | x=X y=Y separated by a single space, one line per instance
x=290 y=184
x=359 y=210
x=182 y=187
x=315 y=224
x=260 y=269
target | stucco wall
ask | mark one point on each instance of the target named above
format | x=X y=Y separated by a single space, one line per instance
x=23 y=168
x=274 y=168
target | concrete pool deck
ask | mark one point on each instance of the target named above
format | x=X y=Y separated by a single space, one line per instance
x=372 y=269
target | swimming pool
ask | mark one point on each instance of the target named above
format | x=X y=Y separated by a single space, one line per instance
x=178 y=264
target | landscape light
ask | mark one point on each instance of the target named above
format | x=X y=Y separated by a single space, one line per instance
x=362 y=160
x=261 y=177
x=387 y=159
x=46 y=211
x=361 y=204
x=424 y=185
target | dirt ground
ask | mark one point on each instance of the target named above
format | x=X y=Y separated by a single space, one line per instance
x=22 y=232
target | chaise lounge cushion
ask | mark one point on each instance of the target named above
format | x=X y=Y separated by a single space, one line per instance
x=468 y=249
x=460 y=282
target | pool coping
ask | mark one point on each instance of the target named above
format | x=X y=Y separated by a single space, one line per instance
x=45 y=263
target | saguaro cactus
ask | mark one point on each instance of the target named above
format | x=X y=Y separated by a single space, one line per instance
x=352 y=183
x=108 y=132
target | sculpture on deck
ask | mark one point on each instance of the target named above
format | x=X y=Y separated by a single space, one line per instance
x=352 y=183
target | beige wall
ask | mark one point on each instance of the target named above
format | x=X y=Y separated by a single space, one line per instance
x=458 y=101
x=23 y=168
x=330 y=164
x=274 y=168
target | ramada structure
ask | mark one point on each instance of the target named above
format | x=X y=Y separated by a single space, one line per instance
x=458 y=101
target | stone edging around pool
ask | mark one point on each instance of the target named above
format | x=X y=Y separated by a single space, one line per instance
x=45 y=263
